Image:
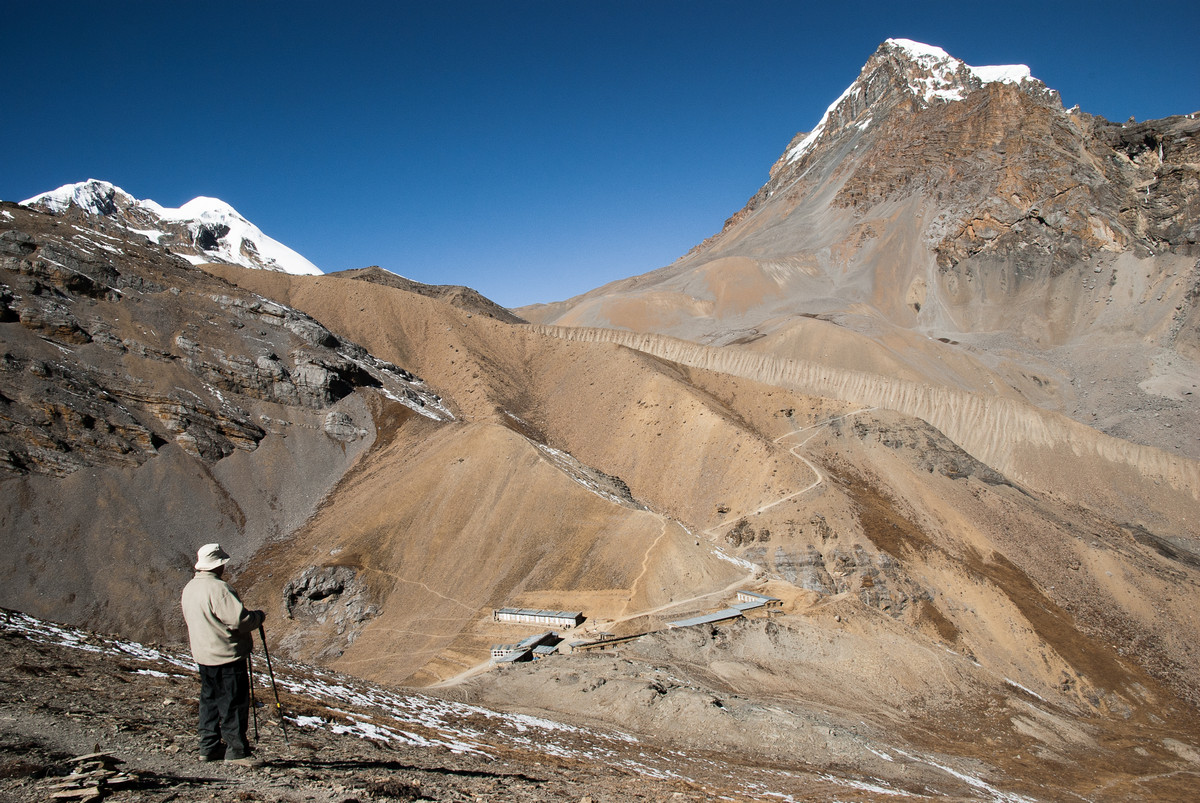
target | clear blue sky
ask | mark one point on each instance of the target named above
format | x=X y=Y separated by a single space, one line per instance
x=531 y=150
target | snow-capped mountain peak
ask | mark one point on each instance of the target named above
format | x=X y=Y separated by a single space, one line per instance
x=200 y=207
x=948 y=78
x=202 y=230
x=92 y=196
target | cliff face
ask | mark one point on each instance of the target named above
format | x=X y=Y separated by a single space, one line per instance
x=90 y=383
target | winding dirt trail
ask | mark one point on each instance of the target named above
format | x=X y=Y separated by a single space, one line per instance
x=711 y=534
x=646 y=560
x=741 y=581
x=819 y=478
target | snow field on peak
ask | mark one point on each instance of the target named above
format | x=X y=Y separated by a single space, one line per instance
x=243 y=236
x=244 y=244
x=201 y=207
x=804 y=145
x=87 y=195
x=1002 y=73
x=920 y=49
x=942 y=83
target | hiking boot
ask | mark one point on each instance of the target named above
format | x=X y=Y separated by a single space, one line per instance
x=248 y=762
x=216 y=754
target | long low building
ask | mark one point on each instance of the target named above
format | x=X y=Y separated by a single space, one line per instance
x=747 y=601
x=564 y=619
x=708 y=619
x=603 y=641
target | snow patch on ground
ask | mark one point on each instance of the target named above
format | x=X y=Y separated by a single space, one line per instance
x=578 y=472
x=105 y=246
x=308 y=722
x=153 y=235
x=1030 y=692
x=359 y=709
x=863 y=786
x=977 y=783
x=745 y=564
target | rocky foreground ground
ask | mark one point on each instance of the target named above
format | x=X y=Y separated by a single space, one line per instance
x=66 y=694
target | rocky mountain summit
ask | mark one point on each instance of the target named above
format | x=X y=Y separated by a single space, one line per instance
x=955 y=224
x=461 y=297
x=1009 y=173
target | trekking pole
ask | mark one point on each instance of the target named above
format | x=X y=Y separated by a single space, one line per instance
x=274 y=688
x=253 y=704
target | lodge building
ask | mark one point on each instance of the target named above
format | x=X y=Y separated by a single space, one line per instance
x=563 y=619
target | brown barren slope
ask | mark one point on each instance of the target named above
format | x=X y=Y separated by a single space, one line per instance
x=1039 y=625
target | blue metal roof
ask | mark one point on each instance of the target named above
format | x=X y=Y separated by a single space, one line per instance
x=537 y=638
x=540 y=612
x=719 y=616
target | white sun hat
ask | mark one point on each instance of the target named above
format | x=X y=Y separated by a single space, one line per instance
x=209 y=557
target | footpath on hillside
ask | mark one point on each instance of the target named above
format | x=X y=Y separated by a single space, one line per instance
x=712 y=534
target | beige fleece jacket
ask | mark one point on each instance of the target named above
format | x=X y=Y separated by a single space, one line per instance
x=219 y=626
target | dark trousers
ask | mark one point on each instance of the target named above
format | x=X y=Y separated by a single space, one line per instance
x=224 y=708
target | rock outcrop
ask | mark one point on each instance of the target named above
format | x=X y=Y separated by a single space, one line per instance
x=331 y=600
x=115 y=347
x=462 y=297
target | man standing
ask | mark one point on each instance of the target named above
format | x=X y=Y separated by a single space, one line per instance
x=219 y=629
